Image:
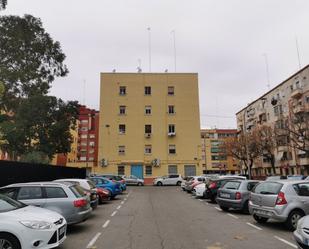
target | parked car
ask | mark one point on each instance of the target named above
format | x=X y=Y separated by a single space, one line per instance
x=25 y=226
x=104 y=195
x=301 y=234
x=67 y=199
x=102 y=182
x=168 y=180
x=117 y=178
x=275 y=178
x=235 y=194
x=133 y=180
x=89 y=188
x=200 y=189
x=184 y=182
x=213 y=185
x=282 y=200
x=194 y=182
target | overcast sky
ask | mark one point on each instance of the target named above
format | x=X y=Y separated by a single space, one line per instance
x=223 y=41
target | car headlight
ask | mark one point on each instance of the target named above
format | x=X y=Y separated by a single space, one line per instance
x=40 y=225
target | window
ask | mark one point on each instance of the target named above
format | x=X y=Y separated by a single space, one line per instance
x=84 y=129
x=147 y=129
x=91 y=136
x=278 y=110
x=171 y=128
x=172 y=170
x=82 y=158
x=231 y=185
x=171 y=109
x=91 y=144
x=170 y=90
x=148 y=170
x=121 y=150
x=52 y=192
x=120 y=170
x=148 y=149
x=91 y=159
x=147 y=90
x=83 y=136
x=84 y=121
x=148 y=109
x=122 y=129
x=122 y=90
x=172 y=149
x=271 y=188
x=83 y=144
x=28 y=193
x=122 y=110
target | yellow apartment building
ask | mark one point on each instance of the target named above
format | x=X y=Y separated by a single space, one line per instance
x=149 y=124
x=214 y=160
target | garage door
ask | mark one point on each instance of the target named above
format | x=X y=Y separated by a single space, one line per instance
x=190 y=170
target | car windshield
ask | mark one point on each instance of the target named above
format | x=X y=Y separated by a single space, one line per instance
x=8 y=204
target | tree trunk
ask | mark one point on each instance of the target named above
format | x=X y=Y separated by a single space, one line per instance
x=272 y=161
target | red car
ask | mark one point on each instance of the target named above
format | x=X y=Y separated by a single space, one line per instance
x=104 y=195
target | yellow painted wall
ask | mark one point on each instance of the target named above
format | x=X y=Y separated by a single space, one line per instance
x=186 y=120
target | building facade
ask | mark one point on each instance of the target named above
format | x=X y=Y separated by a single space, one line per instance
x=149 y=124
x=214 y=158
x=277 y=108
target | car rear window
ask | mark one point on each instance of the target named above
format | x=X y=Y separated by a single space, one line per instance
x=91 y=184
x=251 y=185
x=77 y=191
x=268 y=188
x=302 y=189
x=231 y=185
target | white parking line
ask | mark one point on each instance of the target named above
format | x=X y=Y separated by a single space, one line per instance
x=234 y=216
x=106 y=223
x=125 y=199
x=113 y=214
x=119 y=207
x=254 y=226
x=200 y=199
x=206 y=203
x=94 y=239
x=122 y=202
x=286 y=242
x=219 y=209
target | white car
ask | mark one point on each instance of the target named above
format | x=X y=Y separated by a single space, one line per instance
x=26 y=227
x=168 y=180
x=199 y=190
x=301 y=234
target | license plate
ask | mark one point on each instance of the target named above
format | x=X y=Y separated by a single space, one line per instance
x=261 y=212
x=62 y=232
x=224 y=195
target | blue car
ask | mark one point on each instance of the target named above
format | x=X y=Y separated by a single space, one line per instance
x=102 y=182
x=116 y=178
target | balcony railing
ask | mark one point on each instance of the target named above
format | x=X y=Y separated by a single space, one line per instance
x=297 y=93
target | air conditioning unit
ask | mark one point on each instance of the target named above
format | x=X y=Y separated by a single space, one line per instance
x=104 y=162
x=171 y=134
x=156 y=162
x=147 y=135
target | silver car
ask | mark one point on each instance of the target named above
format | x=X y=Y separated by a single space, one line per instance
x=235 y=194
x=67 y=199
x=283 y=200
x=133 y=180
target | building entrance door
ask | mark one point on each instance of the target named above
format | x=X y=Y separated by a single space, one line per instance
x=190 y=170
x=137 y=170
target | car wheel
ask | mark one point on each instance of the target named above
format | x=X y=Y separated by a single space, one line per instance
x=8 y=241
x=294 y=216
x=213 y=199
x=159 y=184
x=260 y=219
x=224 y=208
x=245 y=208
x=178 y=183
x=140 y=184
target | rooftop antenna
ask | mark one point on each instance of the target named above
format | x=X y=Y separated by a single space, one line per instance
x=267 y=70
x=174 y=40
x=149 y=47
x=114 y=70
x=139 y=61
x=166 y=71
x=298 y=55
x=139 y=70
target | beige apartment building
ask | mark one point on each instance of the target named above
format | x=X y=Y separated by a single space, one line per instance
x=149 y=124
x=214 y=159
x=276 y=108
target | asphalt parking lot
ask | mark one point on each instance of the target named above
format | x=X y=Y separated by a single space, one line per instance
x=168 y=218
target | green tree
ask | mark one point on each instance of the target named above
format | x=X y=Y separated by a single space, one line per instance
x=40 y=124
x=3 y=4
x=29 y=59
x=35 y=157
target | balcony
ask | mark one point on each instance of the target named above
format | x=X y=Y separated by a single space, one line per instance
x=297 y=93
